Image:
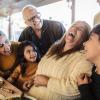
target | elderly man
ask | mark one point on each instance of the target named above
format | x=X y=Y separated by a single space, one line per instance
x=7 y=55
x=42 y=32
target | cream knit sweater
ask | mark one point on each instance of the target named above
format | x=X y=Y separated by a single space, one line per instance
x=63 y=74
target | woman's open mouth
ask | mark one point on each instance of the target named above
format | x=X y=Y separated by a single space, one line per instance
x=72 y=34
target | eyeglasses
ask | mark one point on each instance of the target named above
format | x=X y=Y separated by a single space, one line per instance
x=38 y=15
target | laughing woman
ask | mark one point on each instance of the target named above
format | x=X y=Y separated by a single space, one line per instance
x=58 y=70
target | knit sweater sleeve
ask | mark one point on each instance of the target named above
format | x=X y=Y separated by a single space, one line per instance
x=68 y=85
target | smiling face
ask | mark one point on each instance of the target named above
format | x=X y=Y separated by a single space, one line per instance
x=76 y=35
x=5 y=47
x=92 y=48
x=29 y=54
x=32 y=17
x=73 y=37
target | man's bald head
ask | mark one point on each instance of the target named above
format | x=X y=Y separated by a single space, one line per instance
x=32 y=17
x=27 y=10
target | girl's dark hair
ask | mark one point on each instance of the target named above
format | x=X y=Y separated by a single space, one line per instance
x=58 y=46
x=20 y=55
x=96 y=30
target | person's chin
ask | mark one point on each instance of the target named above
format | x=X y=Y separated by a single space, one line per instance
x=32 y=60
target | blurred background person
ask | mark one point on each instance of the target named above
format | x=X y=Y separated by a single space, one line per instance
x=97 y=16
x=7 y=55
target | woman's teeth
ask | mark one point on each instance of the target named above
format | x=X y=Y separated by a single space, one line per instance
x=72 y=34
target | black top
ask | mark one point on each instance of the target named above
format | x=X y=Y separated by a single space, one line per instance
x=91 y=91
x=51 y=31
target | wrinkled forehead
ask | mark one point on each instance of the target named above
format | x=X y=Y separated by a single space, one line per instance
x=79 y=26
x=75 y=27
x=72 y=29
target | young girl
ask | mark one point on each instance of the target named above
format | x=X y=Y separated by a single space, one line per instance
x=90 y=89
x=27 y=58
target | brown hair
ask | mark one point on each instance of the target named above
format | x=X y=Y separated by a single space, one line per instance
x=57 y=47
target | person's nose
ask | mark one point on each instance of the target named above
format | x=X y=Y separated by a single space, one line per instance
x=36 y=20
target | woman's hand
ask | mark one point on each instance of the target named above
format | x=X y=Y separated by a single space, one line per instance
x=83 y=79
x=41 y=80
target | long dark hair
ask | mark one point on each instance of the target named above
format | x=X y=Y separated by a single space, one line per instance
x=96 y=30
x=20 y=55
x=58 y=46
